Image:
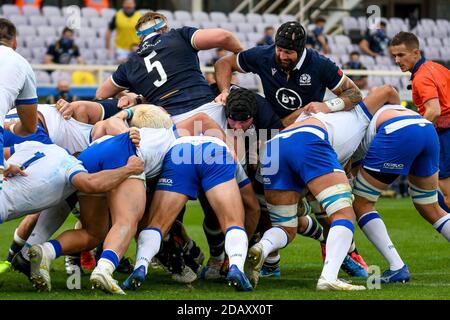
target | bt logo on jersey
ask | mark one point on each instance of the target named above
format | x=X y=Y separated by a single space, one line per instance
x=288 y=99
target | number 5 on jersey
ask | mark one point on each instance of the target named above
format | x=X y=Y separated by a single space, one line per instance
x=155 y=64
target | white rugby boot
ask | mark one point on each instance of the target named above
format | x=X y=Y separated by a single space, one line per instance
x=103 y=280
x=40 y=264
x=337 y=285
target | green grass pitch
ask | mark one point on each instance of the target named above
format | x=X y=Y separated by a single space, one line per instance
x=421 y=247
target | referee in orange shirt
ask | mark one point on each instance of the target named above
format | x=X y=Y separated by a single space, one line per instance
x=431 y=95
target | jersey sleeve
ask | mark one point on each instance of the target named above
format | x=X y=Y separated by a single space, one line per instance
x=241 y=176
x=120 y=78
x=75 y=169
x=187 y=33
x=28 y=94
x=248 y=60
x=331 y=75
x=425 y=87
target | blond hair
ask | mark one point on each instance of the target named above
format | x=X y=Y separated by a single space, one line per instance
x=150 y=116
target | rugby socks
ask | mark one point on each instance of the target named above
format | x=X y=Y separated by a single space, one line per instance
x=215 y=240
x=442 y=202
x=109 y=260
x=272 y=263
x=338 y=241
x=352 y=247
x=236 y=246
x=53 y=249
x=443 y=226
x=15 y=247
x=375 y=230
x=314 y=230
x=273 y=239
x=149 y=243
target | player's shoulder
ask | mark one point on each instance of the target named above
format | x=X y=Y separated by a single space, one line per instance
x=14 y=57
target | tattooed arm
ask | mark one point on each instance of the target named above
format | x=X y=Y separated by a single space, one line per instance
x=348 y=95
x=349 y=92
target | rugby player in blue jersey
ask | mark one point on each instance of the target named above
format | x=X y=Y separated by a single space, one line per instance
x=166 y=70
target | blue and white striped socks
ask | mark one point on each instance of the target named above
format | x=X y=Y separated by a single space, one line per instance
x=443 y=226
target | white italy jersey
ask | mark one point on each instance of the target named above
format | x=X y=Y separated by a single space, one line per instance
x=49 y=171
x=70 y=134
x=372 y=131
x=345 y=130
x=196 y=140
x=153 y=147
x=17 y=81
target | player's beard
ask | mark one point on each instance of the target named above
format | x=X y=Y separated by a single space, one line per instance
x=286 y=67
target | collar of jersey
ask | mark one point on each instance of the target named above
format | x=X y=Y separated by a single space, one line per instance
x=150 y=35
x=302 y=59
x=417 y=66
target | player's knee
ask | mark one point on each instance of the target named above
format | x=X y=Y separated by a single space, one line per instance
x=365 y=189
x=421 y=196
x=283 y=215
x=336 y=198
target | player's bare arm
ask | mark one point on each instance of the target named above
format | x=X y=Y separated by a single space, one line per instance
x=348 y=95
x=83 y=111
x=432 y=110
x=108 y=89
x=349 y=92
x=205 y=39
x=107 y=180
x=200 y=123
x=28 y=120
x=224 y=69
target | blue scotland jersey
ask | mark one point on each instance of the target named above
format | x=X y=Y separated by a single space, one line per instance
x=166 y=71
x=288 y=92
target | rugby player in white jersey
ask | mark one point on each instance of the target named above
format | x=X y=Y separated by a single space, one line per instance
x=126 y=203
x=398 y=142
x=309 y=154
x=17 y=86
x=68 y=125
x=193 y=164
x=48 y=175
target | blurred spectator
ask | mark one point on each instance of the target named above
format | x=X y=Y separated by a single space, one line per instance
x=63 y=50
x=219 y=54
x=355 y=64
x=28 y=3
x=97 y=4
x=211 y=78
x=123 y=22
x=83 y=78
x=375 y=42
x=133 y=49
x=316 y=38
x=268 y=37
x=209 y=75
x=63 y=88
